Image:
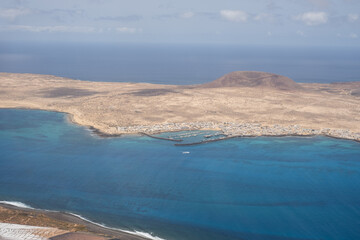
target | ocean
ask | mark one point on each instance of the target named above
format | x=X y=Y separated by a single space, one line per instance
x=177 y=64
x=244 y=188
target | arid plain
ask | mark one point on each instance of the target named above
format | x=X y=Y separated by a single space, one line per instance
x=259 y=99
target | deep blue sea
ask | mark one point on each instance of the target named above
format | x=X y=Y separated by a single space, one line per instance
x=243 y=188
x=178 y=64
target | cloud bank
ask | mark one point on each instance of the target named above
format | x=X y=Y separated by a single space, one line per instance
x=234 y=15
x=313 y=18
x=128 y=30
x=352 y=17
x=12 y=13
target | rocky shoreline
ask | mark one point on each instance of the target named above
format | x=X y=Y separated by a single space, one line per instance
x=67 y=224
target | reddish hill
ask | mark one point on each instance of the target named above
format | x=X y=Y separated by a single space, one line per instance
x=253 y=79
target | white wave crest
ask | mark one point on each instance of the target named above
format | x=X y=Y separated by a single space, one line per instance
x=137 y=233
x=16 y=204
x=142 y=234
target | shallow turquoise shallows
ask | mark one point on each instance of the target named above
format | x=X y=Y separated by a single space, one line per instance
x=258 y=188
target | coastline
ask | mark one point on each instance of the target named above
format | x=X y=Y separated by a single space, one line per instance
x=228 y=135
x=189 y=144
x=305 y=132
x=85 y=225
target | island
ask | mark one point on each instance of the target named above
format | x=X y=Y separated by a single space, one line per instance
x=239 y=104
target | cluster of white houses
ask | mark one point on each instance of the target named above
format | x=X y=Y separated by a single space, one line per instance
x=231 y=129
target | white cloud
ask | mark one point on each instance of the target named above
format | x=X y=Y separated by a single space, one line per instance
x=65 y=29
x=187 y=15
x=234 y=15
x=264 y=17
x=352 y=17
x=313 y=18
x=353 y=35
x=128 y=30
x=12 y=13
x=73 y=29
x=300 y=33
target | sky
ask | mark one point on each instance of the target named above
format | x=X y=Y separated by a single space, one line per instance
x=243 y=22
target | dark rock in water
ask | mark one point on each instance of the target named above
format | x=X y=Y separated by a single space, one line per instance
x=254 y=79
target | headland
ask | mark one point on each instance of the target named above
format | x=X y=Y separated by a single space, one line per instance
x=238 y=104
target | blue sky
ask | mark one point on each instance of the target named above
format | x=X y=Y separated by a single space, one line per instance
x=270 y=22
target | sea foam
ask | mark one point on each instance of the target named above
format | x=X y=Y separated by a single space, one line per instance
x=16 y=204
x=135 y=232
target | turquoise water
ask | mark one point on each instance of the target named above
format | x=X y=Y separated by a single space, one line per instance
x=256 y=188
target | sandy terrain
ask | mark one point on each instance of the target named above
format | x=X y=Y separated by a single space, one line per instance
x=239 y=97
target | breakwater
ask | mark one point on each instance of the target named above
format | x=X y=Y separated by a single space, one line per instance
x=161 y=138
